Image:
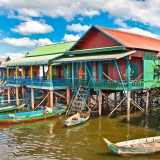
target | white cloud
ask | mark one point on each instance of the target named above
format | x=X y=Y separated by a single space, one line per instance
x=32 y=27
x=29 y=12
x=13 y=55
x=70 y=37
x=121 y=23
x=77 y=27
x=25 y=42
x=146 y=12
x=140 y=31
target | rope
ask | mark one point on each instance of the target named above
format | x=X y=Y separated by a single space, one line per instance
x=43 y=100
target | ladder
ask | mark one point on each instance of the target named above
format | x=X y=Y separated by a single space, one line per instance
x=78 y=101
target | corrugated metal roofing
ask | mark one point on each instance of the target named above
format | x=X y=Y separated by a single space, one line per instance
x=51 y=49
x=94 y=58
x=27 y=61
x=133 y=40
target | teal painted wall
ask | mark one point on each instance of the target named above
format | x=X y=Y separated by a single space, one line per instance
x=149 y=58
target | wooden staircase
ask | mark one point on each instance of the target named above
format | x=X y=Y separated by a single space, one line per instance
x=78 y=101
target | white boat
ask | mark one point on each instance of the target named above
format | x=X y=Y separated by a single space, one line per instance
x=77 y=118
x=141 y=146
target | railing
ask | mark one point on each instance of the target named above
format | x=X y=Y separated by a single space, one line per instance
x=16 y=81
x=44 y=82
x=107 y=84
x=59 y=82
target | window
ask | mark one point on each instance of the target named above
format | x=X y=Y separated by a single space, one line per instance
x=134 y=70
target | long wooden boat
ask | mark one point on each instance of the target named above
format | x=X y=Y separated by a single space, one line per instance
x=11 y=108
x=31 y=116
x=77 y=118
x=141 y=146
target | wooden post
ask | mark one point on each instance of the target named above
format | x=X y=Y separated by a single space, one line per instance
x=89 y=100
x=32 y=98
x=68 y=96
x=31 y=71
x=100 y=102
x=51 y=98
x=17 y=69
x=48 y=100
x=23 y=93
x=50 y=71
x=107 y=102
x=23 y=71
x=9 y=96
x=17 y=96
x=147 y=100
x=128 y=106
x=121 y=97
x=7 y=71
x=115 y=99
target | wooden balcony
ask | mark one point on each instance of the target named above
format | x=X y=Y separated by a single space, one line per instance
x=45 y=83
x=57 y=83
x=13 y=81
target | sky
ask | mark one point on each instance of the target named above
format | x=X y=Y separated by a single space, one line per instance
x=27 y=24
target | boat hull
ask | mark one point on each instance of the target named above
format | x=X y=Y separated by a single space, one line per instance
x=76 y=119
x=36 y=116
x=11 y=108
x=135 y=147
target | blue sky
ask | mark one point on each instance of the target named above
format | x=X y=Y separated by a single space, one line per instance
x=25 y=25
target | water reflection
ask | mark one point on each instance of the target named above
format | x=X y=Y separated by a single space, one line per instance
x=51 y=140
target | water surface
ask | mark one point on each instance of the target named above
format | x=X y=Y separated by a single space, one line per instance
x=50 y=140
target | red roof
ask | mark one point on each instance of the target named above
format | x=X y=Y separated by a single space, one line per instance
x=131 y=40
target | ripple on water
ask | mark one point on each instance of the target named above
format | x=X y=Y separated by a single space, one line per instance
x=50 y=140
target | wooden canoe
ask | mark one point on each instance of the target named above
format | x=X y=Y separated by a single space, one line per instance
x=141 y=146
x=31 y=116
x=11 y=108
x=77 y=118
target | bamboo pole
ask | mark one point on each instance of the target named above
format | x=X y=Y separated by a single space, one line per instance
x=117 y=106
x=32 y=98
x=68 y=96
x=128 y=106
x=136 y=105
x=9 y=96
x=43 y=100
x=17 y=96
x=51 y=98
x=147 y=100
x=100 y=102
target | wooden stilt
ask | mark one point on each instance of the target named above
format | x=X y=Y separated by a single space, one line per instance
x=32 y=98
x=48 y=100
x=23 y=93
x=9 y=96
x=128 y=106
x=115 y=98
x=89 y=99
x=17 y=97
x=68 y=96
x=136 y=105
x=51 y=98
x=106 y=102
x=147 y=100
x=121 y=97
x=100 y=102
x=116 y=106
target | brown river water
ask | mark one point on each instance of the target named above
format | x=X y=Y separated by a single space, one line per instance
x=50 y=140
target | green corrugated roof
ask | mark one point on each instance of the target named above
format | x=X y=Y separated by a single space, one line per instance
x=28 y=61
x=51 y=49
x=96 y=50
